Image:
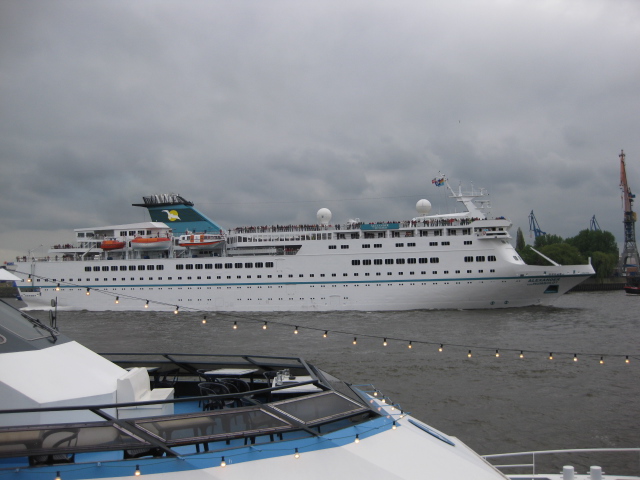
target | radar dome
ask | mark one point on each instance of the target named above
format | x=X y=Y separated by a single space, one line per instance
x=423 y=206
x=324 y=216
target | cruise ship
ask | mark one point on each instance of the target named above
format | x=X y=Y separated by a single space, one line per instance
x=181 y=259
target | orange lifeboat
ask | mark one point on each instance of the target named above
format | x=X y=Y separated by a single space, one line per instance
x=153 y=243
x=112 y=244
x=200 y=241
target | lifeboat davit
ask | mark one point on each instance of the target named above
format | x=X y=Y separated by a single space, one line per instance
x=200 y=241
x=112 y=244
x=154 y=243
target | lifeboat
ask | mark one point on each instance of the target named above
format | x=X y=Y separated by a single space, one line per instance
x=200 y=241
x=152 y=243
x=112 y=244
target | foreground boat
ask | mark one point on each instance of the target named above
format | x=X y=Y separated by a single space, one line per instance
x=68 y=413
x=458 y=260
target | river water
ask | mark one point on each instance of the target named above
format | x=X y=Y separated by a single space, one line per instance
x=494 y=404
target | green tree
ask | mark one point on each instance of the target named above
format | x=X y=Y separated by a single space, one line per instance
x=604 y=264
x=563 y=253
x=591 y=241
x=546 y=239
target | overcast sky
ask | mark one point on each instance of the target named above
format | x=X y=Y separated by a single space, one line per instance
x=264 y=111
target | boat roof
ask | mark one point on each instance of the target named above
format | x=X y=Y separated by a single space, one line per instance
x=126 y=226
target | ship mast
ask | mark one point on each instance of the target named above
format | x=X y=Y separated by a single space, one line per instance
x=628 y=265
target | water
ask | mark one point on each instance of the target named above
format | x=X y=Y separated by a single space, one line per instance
x=495 y=405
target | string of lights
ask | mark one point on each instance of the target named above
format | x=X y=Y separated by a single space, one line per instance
x=472 y=350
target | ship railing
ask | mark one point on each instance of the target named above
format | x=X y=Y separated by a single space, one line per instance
x=587 y=457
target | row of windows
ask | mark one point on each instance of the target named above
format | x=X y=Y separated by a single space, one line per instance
x=248 y=277
x=397 y=261
x=481 y=258
x=123 y=268
x=220 y=266
x=398 y=245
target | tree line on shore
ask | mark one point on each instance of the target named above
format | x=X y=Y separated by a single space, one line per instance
x=598 y=245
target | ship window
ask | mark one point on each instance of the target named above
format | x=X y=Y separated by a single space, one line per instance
x=366 y=262
x=377 y=261
x=344 y=246
x=96 y=269
x=355 y=262
x=480 y=258
x=400 y=260
x=218 y=266
x=238 y=265
x=189 y=266
x=445 y=243
x=377 y=245
x=491 y=258
x=123 y=268
x=87 y=269
x=208 y=266
x=259 y=265
x=269 y=264
x=179 y=266
x=114 y=268
x=411 y=260
x=434 y=260
x=399 y=244
x=198 y=266
x=411 y=244
x=468 y=259
x=228 y=265
x=468 y=242
x=248 y=265
x=388 y=261
x=332 y=247
x=366 y=245
x=132 y=267
x=140 y=267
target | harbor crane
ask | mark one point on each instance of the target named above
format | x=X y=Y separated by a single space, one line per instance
x=534 y=227
x=628 y=265
x=594 y=226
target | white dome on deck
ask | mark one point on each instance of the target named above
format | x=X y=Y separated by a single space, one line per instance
x=423 y=206
x=324 y=216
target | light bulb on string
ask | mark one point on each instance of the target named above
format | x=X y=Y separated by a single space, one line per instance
x=223 y=463
x=146 y=305
x=575 y=357
x=204 y=319
x=384 y=342
x=550 y=355
x=394 y=426
x=409 y=346
x=357 y=440
x=326 y=332
x=264 y=327
x=58 y=477
x=296 y=454
x=601 y=360
x=497 y=353
x=521 y=354
x=176 y=310
x=441 y=347
x=355 y=340
x=29 y=279
x=626 y=360
x=137 y=472
x=295 y=331
x=58 y=288
x=117 y=299
x=235 y=325
x=469 y=354
x=88 y=291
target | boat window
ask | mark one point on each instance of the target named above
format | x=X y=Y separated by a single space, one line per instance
x=23 y=325
x=314 y=409
x=69 y=438
x=237 y=422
